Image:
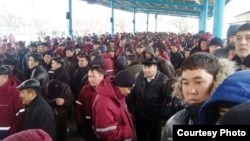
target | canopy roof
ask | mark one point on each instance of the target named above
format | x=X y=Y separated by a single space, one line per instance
x=180 y=8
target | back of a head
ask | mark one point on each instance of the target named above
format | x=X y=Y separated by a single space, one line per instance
x=237 y=115
x=55 y=88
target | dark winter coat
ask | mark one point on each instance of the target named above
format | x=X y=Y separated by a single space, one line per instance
x=40 y=74
x=39 y=115
x=146 y=100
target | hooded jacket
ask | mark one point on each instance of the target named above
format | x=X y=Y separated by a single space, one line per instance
x=189 y=115
x=111 y=119
x=10 y=106
x=233 y=91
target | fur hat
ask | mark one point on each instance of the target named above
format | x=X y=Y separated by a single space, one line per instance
x=124 y=79
x=216 y=41
x=55 y=88
x=237 y=115
x=59 y=60
x=30 y=83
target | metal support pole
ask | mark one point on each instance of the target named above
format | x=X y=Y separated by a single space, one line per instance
x=147 y=20
x=112 y=19
x=205 y=13
x=134 y=20
x=156 y=22
x=219 y=6
x=70 y=19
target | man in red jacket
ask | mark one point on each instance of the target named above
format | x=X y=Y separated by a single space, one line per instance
x=110 y=116
x=84 y=101
x=10 y=104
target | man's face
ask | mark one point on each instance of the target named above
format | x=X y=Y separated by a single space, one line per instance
x=44 y=49
x=94 y=78
x=204 y=45
x=32 y=49
x=196 y=85
x=149 y=71
x=26 y=96
x=242 y=45
x=32 y=63
x=55 y=65
x=82 y=62
x=125 y=90
x=187 y=54
x=96 y=46
x=69 y=53
x=47 y=59
x=232 y=40
x=139 y=50
x=213 y=48
x=122 y=43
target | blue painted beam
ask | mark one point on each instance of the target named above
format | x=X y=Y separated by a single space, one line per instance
x=146 y=9
x=147 y=20
x=169 y=3
x=134 y=11
x=204 y=16
x=112 y=19
x=70 y=19
x=218 y=17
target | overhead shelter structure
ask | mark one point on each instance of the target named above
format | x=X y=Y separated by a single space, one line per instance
x=201 y=9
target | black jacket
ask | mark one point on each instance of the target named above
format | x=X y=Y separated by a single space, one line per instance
x=145 y=99
x=40 y=74
x=186 y=116
x=39 y=115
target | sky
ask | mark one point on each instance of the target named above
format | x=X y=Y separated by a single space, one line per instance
x=55 y=10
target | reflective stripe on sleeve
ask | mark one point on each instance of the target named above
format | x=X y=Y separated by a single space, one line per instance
x=78 y=102
x=20 y=111
x=88 y=117
x=4 y=128
x=106 y=129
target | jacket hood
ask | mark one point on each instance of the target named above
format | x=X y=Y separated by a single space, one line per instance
x=226 y=68
x=106 y=88
x=232 y=91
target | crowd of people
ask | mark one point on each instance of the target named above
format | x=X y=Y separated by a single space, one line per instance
x=126 y=87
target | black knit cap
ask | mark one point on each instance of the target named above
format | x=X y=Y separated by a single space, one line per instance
x=55 y=88
x=216 y=41
x=124 y=79
x=4 y=70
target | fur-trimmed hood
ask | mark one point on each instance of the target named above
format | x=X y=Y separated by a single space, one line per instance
x=227 y=67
